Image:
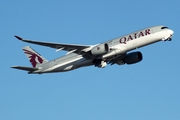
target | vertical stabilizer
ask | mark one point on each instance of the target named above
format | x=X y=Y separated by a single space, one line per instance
x=35 y=58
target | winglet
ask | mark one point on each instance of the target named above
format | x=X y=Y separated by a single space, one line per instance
x=19 y=38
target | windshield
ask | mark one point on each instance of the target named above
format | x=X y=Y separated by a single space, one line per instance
x=164 y=28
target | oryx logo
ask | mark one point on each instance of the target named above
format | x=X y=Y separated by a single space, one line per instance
x=33 y=57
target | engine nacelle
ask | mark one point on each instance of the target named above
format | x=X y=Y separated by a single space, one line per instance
x=100 y=49
x=133 y=57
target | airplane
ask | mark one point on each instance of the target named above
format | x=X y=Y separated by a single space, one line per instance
x=115 y=51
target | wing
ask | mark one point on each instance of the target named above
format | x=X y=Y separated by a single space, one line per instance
x=119 y=60
x=66 y=47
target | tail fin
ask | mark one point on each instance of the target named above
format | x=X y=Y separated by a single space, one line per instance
x=35 y=58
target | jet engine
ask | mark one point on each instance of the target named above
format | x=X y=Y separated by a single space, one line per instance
x=100 y=49
x=133 y=57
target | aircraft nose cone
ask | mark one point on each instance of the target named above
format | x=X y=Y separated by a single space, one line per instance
x=171 y=32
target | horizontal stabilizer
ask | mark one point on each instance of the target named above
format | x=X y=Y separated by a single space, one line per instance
x=31 y=69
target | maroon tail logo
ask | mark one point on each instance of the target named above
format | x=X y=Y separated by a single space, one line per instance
x=34 y=58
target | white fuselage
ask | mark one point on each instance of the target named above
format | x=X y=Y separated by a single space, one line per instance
x=118 y=46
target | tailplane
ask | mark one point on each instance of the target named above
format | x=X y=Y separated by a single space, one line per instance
x=30 y=70
x=34 y=57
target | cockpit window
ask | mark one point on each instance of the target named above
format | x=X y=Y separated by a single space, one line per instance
x=164 y=28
